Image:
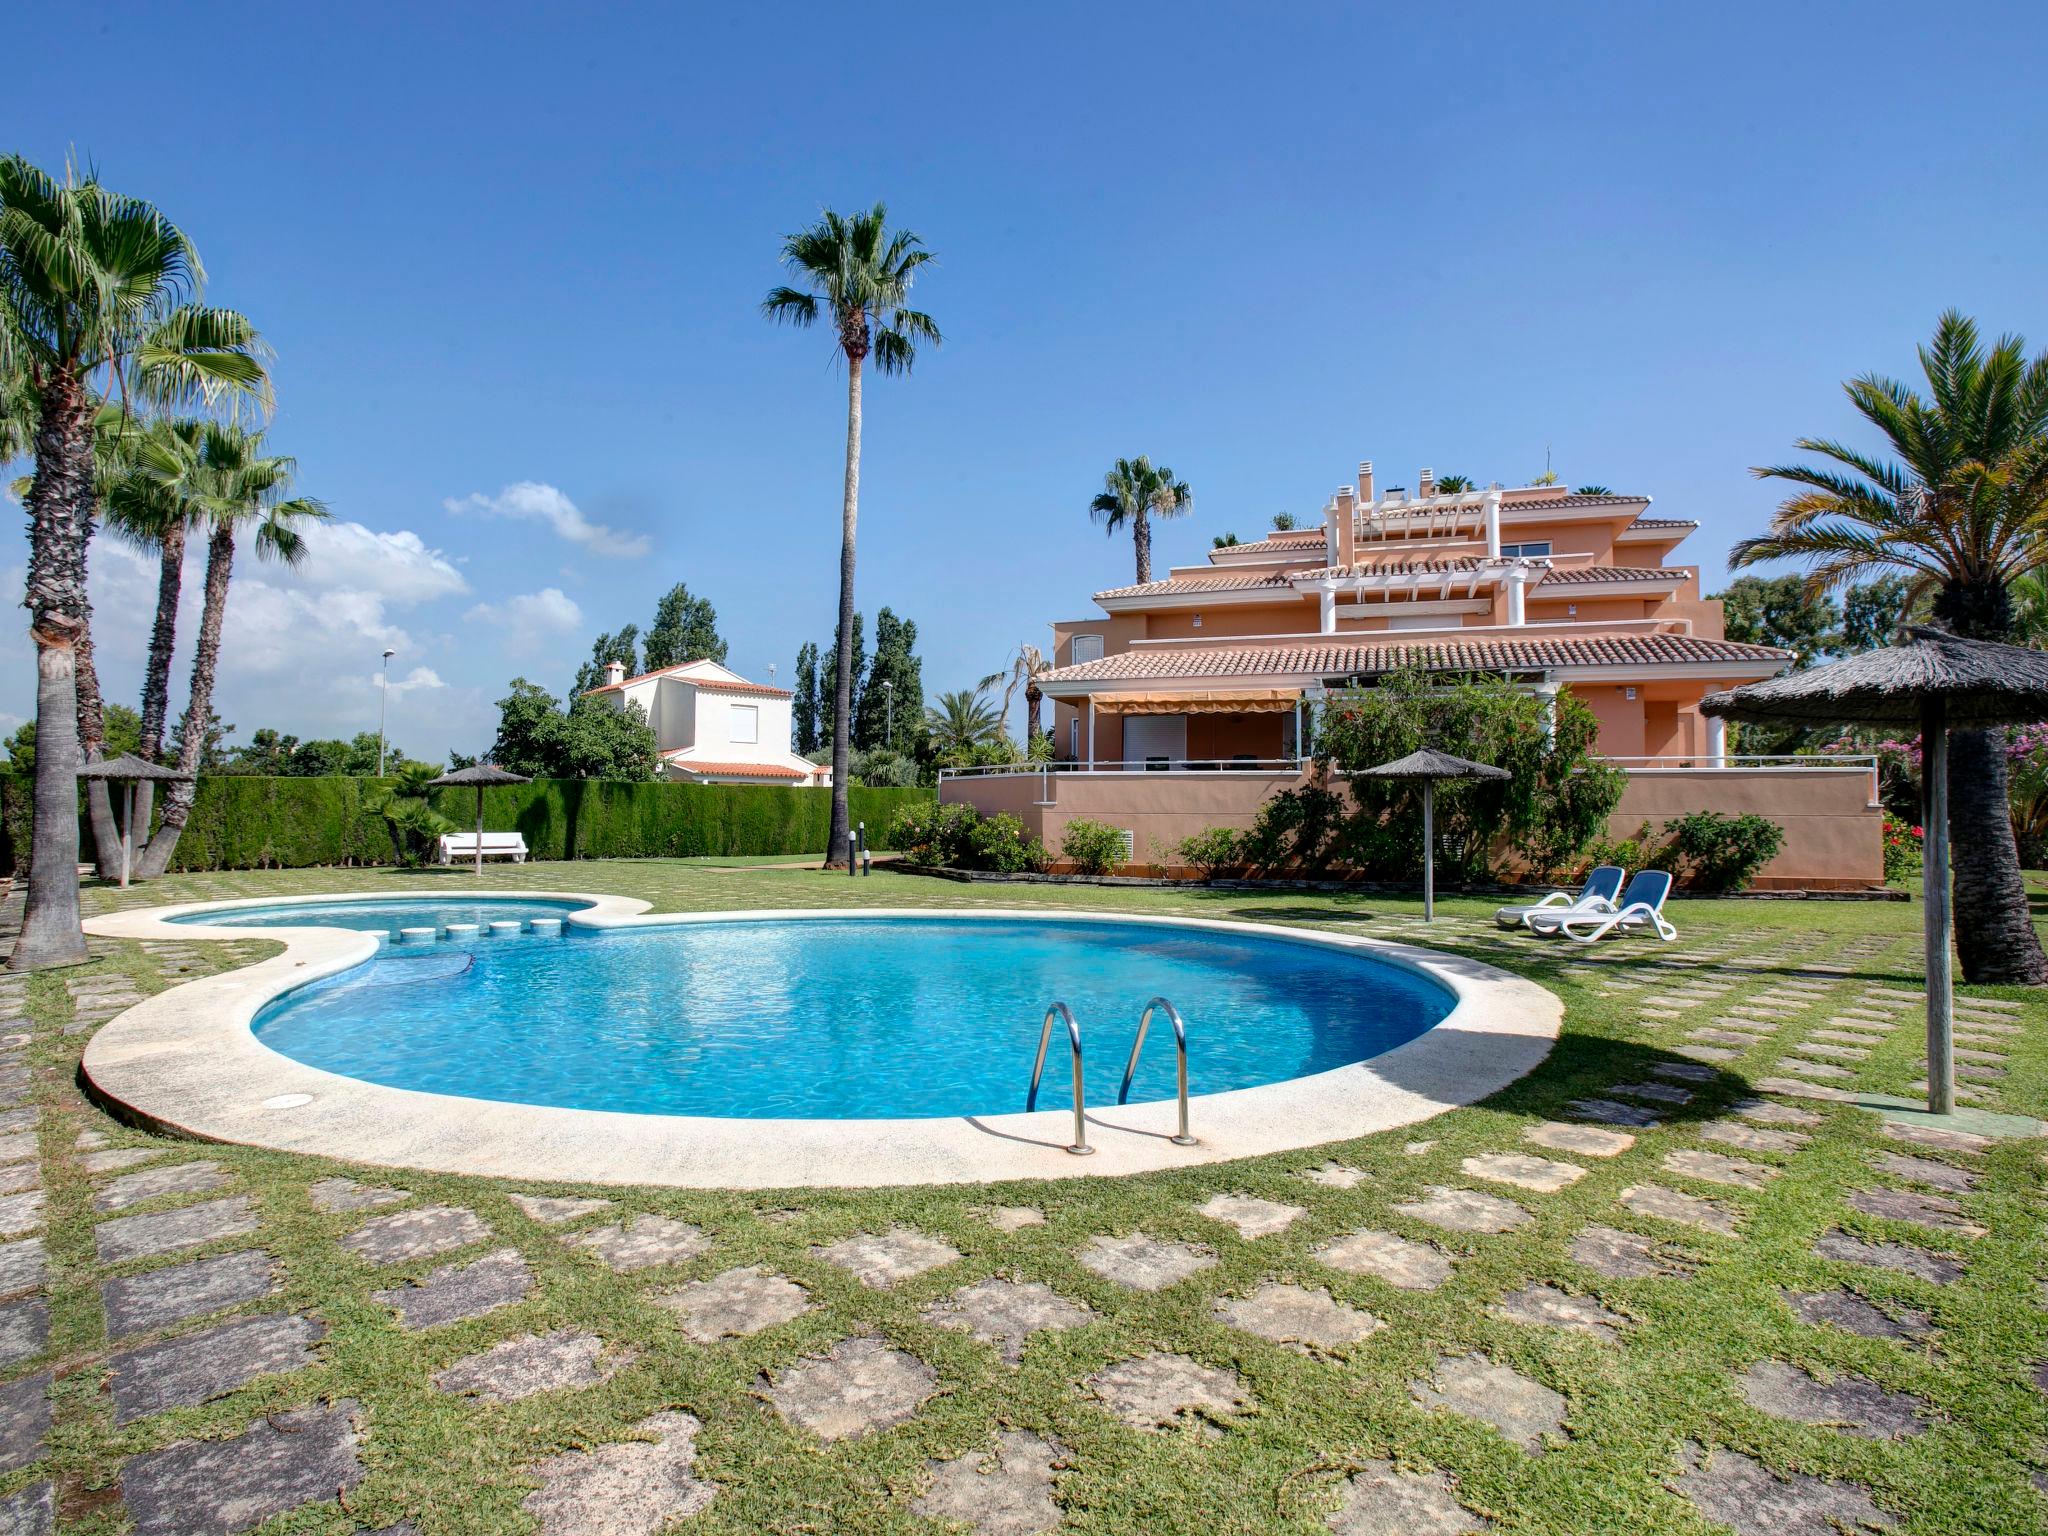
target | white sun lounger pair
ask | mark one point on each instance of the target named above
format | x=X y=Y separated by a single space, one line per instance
x=1597 y=910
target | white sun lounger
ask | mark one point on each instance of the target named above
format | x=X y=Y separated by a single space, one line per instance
x=1641 y=906
x=497 y=845
x=1596 y=895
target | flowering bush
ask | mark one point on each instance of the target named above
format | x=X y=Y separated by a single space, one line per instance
x=1901 y=848
x=959 y=837
x=1094 y=848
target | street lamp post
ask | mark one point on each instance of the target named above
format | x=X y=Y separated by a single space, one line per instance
x=383 y=707
x=888 y=715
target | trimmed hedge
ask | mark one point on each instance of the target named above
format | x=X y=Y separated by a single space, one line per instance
x=249 y=822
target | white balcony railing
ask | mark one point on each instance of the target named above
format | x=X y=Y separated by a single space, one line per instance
x=1289 y=765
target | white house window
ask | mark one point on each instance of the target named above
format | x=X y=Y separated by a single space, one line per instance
x=1539 y=550
x=1087 y=648
x=744 y=728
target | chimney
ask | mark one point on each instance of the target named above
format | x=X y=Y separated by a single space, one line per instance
x=1347 y=528
x=614 y=673
x=1365 y=496
x=1426 y=486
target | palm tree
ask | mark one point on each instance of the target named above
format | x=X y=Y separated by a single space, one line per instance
x=962 y=721
x=1454 y=485
x=1960 y=510
x=235 y=485
x=93 y=298
x=858 y=276
x=1134 y=492
x=1024 y=671
x=1592 y=490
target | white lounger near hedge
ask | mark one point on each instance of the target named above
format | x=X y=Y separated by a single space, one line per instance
x=497 y=845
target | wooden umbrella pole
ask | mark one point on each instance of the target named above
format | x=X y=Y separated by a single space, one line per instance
x=1428 y=851
x=128 y=835
x=479 y=831
x=1941 y=1061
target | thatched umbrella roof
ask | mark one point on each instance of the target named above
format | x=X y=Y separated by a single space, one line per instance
x=130 y=768
x=1978 y=682
x=479 y=776
x=1431 y=764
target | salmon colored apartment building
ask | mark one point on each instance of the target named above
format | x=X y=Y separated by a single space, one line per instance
x=1182 y=703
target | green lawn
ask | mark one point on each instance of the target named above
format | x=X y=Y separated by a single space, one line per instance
x=1281 y=1460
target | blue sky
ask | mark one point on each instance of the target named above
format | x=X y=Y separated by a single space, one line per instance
x=510 y=258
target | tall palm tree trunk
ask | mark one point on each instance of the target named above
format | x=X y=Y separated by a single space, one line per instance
x=1141 y=535
x=92 y=741
x=156 y=679
x=220 y=560
x=842 y=672
x=60 y=521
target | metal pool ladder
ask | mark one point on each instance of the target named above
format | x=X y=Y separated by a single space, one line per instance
x=1080 y=1147
x=1180 y=1046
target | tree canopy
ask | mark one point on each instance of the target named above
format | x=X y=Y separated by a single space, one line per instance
x=592 y=739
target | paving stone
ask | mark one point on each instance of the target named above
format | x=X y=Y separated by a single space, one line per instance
x=1903 y=1258
x=144 y=1237
x=1405 y=1265
x=1714 y=1168
x=202 y=1366
x=1545 y=1306
x=641 y=1242
x=1740 y=1039
x=1732 y=1490
x=1524 y=1411
x=564 y=1360
x=1144 y=1263
x=1464 y=1210
x=1926 y=1170
x=627 y=1488
x=31 y=1512
x=159 y=1297
x=24 y=1331
x=24 y=1420
x=1253 y=1217
x=1674 y=1205
x=1416 y=1148
x=1936 y=1212
x=1006 y=1313
x=1655 y=1093
x=1006 y=1492
x=1843 y=1308
x=1334 y=1175
x=736 y=1303
x=219 y=1486
x=885 y=1260
x=1302 y=1319
x=22 y=1265
x=337 y=1194
x=1800 y=1088
x=21 y=1144
x=557 y=1210
x=1824 y=1069
x=860 y=1387
x=1540 y=1174
x=1684 y=1072
x=1612 y=1112
x=1162 y=1389
x=416 y=1234
x=1379 y=1500
x=1585 y=1140
x=21 y=1212
x=1708 y=1053
x=1854 y=1404
x=117 y=1158
x=1753 y=1138
x=196 y=1178
x=20 y=1177
x=1849 y=1037
x=455 y=1292
x=1014 y=1218
x=1623 y=1255
x=26 y=1118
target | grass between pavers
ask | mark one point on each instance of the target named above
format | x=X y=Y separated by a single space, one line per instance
x=454 y=1465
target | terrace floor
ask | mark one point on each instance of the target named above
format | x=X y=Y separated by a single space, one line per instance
x=1669 y=1283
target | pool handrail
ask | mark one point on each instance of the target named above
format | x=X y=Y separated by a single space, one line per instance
x=1180 y=1046
x=1080 y=1147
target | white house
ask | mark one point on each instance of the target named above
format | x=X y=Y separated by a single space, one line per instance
x=713 y=726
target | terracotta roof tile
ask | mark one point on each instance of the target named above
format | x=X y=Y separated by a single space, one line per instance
x=1196 y=585
x=1456 y=565
x=1581 y=575
x=1363 y=658
x=715 y=685
x=734 y=770
x=1662 y=522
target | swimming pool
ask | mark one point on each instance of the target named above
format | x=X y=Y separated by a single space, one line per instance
x=846 y=1018
x=385 y=915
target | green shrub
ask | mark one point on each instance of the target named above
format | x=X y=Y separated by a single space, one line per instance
x=1298 y=830
x=1091 y=847
x=999 y=843
x=1211 y=850
x=1722 y=853
x=1902 y=852
x=958 y=837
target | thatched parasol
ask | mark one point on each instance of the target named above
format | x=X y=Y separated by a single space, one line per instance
x=1936 y=681
x=481 y=776
x=130 y=770
x=1428 y=766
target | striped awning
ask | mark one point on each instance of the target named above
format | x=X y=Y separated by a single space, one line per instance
x=1233 y=701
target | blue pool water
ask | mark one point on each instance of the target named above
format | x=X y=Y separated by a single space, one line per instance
x=843 y=1018
x=383 y=916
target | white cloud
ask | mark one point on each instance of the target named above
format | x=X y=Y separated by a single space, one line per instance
x=531 y=501
x=397 y=566
x=415 y=680
x=530 y=620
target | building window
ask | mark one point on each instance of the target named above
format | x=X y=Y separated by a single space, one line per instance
x=1539 y=550
x=744 y=727
x=1087 y=648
